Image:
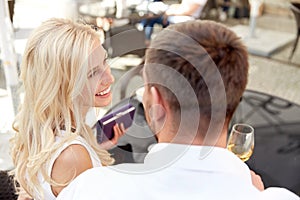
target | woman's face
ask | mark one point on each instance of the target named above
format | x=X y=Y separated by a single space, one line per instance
x=99 y=78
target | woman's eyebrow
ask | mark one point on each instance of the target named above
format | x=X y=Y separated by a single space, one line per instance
x=93 y=69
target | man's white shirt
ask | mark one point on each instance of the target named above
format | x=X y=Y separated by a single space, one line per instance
x=173 y=171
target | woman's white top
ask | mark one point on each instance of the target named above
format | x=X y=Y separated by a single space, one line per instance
x=48 y=195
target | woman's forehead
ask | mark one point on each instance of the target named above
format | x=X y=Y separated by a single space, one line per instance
x=97 y=55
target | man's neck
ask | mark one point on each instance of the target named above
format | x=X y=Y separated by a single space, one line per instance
x=218 y=137
x=197 y=140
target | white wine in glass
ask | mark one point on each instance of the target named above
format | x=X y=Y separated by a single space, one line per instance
x=241 y=141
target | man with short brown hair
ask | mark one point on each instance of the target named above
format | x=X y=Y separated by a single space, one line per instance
x=213 y=63
x=195 y=74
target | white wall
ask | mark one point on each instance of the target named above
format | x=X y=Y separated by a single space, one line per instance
x=30 y=13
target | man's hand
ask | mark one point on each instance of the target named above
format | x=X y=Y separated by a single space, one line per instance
x=256 y=181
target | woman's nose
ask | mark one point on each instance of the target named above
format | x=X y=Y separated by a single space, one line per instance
x=107 y=78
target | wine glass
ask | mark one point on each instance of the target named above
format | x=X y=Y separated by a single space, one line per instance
x=241 y=141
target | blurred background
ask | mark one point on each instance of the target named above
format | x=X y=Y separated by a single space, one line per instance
x=270 y=37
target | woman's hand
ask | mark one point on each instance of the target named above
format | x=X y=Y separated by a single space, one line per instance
x=256 y=181
x=119 y=130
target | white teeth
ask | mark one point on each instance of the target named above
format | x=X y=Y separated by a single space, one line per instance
x=103 y=92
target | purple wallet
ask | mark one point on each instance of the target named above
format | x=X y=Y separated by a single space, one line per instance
x=123 y=115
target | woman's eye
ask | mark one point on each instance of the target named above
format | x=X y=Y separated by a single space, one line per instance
x=93 y=73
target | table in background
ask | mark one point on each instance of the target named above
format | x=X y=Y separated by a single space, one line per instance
x=121 y=34
x=276 y=123
x=134 y=12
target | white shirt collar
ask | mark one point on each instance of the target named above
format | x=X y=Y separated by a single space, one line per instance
x=194 y=157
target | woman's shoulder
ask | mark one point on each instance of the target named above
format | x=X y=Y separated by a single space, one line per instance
x=68 y=143
x=74 y=153
x=74 y=156
x=76 y=148
x=72 y=161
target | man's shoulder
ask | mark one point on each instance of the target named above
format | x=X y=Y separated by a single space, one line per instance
x=120 y=171
x=94 y=183
x=279 y=193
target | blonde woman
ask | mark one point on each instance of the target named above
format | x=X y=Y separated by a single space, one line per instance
x=64 y=73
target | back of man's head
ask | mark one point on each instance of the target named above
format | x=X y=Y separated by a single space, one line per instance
x=198 y=64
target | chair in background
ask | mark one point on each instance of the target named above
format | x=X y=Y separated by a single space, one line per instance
x=207 y=11
x=7 y=189
x=295 y=7
x=121 y=41
x=135 y=71
x=124 y=40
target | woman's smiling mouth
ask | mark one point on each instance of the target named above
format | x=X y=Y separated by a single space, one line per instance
x=104 y=92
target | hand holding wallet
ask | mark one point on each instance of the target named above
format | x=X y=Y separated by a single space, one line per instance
x=123 y=115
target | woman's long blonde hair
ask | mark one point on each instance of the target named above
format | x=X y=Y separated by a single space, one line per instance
x=54 y=72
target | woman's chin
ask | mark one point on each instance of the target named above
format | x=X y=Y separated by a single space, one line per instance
x=103 y=103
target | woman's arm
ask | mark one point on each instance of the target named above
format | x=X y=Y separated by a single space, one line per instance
x=74 y=160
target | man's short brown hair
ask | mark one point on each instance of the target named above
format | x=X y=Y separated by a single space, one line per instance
x=197 y=50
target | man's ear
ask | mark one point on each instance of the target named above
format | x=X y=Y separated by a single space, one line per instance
x=157 y=109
